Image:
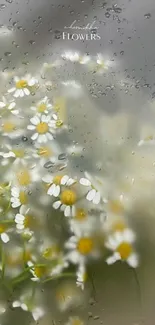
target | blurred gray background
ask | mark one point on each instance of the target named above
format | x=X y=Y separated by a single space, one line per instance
x=127 y=30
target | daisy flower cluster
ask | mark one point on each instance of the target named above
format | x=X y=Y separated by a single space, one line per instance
x=54 y=223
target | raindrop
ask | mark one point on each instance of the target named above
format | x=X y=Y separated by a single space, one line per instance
x=147 y=16
x=96 y=317
x=62 y=156
x=48 y=164
x=2 y=6
x=9 y=1
x=118 y=10
x=153 y=95
x=107 y=14
x=85 y=16
x=31 y=42
x=7 y=53
x=122 y=52
x=24 y=139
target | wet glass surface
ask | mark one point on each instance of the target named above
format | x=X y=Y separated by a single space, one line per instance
x=77 y=158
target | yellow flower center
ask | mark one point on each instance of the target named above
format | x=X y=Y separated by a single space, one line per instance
x=59 y=123
x=85 y=245
x=119 y=226
x=45 y=152
x=19 y=153
x=76 y=321
x=124 y=249
x=80 y=214
x=42 y=128
x=57 y=179
x=23 y=197
x=116 y=207
x=150 y=137
x=40 y=271
x=28 y=221
x=24 y=177
x=8 y=127
x=21 y=84
x=3 y=228
x=42 y=108
x=68 y=197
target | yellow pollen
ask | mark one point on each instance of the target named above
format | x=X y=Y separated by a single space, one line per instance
x=19 y=153
x=45 y=152
x=68 y=197
x=21 y=84
x=85 y=245
x=2 y=228
x=57 y=179
x=81 y=214
x=23 y=197
x=24 y=177
x=59 y=123
x=42 y=128
x=8 y=127
x=39 y=271
x=124 y=249
x=42 y=108
x=116 y=207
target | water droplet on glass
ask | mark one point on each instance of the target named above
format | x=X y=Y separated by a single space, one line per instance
x=24 y=139
x=49 y=164
x=107 y=14
x=7 y=53
x=2 y=6
x=153 y=95
x=96 y=317
x=62 y=156
x=122 y=52
x=31 y=42
x=9 y=1
x=147 y=16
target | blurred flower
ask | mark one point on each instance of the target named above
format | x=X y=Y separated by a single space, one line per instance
x=66 y=202
x=43 y=106
x=18 y=197
x=23 y=86
x=10 y=105
x=93 y=194
x=121 y=244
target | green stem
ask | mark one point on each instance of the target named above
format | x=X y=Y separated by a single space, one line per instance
x=3 y=262
x=62 y=275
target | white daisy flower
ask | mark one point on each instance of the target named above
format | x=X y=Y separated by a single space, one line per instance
x=121 y=245
x=23 y=86
x=18 y=197
x=71 y=56
x=76 y=57
x=22 y=218
x=81 y=246
x=93 y=194
x=102 y=64
x=43 y=126
x=37 y=271
x=10 y=105
x=12 y=127
x=19 y=154
x=56 y=182
x=67 y=201
x=3 y=235
x=43 y=106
